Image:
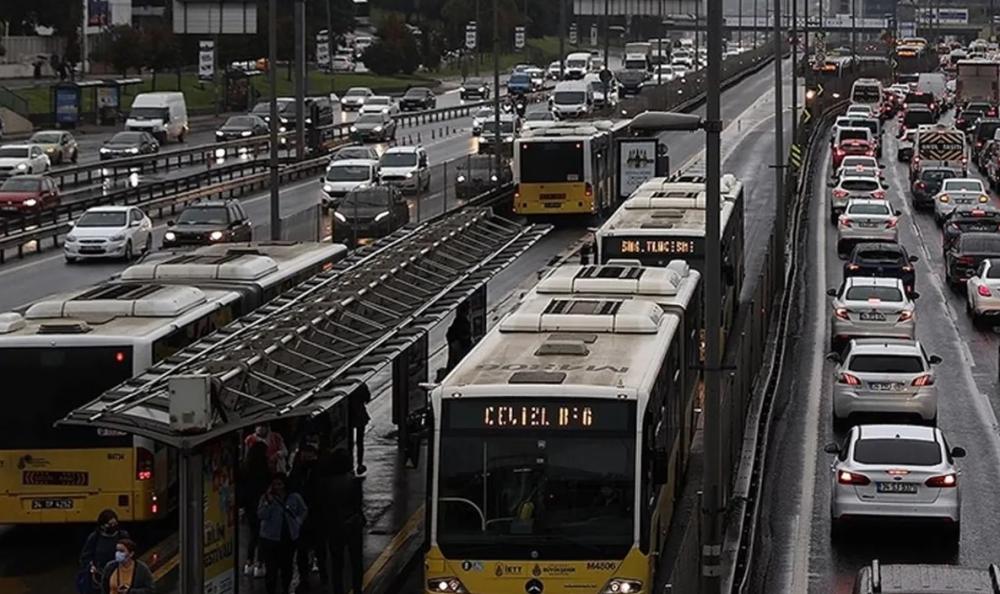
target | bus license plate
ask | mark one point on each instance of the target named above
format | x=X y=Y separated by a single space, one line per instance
x=61 y=503
x=896 y=487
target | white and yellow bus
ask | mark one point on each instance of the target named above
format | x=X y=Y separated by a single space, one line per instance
x=559 y=441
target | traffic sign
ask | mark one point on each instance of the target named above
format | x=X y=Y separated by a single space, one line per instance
x=322 y=50
x=593 y=35
x=519 y=37
x=206 y=59
x=572 y=34
x=470 y=36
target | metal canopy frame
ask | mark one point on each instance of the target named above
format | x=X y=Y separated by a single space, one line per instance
x=303 y=352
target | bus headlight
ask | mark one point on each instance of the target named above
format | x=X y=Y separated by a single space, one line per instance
x=622 y=586
x=448 y=585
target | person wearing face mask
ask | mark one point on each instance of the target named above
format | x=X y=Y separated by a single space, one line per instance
x=277 y=452
x=126 y=574
x=98 y=550
x=281 y=516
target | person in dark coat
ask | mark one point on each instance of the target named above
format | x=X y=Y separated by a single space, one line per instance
x=255 y=478
x=99 y=550
x=304 y=480
x=126 y=574
x=357 y=415
x=342 y=518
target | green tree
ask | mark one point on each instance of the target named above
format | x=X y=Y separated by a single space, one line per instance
x=395 y=51
x=160 y=49
x=121 y=46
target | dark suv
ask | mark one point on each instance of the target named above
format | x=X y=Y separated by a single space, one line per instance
x=928 y=184
x=209 y=222
x=417 y=99
x=882 y=259
x=369 y=214
x=963 y=256
x=975 y=218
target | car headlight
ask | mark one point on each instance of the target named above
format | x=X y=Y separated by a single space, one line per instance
x=409 y=175
x=482 y=89
x=340 y=217
x=493 y=178
x=215 y=235
x=118 y=237
x=170 y=236
x=381 y=215
x=460 y=179
x=50 y=150
x=245 y=133
x=621 y=586
x=378 y=128
x=220 y=133
x=354 y=128
x=984 y=198
x=327 y=187
x=447 y=585
x=22 y=166
x=944 y=198
x=133 y=151
x=283 y=120
x=70 y=238
x=30 y=202
x=282 y=129
x=105 y=150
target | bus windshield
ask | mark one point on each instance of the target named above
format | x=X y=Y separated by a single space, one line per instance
x=552 y=162
x=568 y=493
x=46 y=383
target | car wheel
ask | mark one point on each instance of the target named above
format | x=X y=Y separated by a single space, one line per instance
x=149 y=244
x=128 y=251
x=70 y=260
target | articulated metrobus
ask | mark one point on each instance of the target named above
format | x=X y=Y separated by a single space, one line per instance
x=556 y=440
x=664 y=219
x=65 y=351
x=567 y=169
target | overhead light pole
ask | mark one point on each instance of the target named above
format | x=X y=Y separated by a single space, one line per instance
x=497 y=139
x=272 y=77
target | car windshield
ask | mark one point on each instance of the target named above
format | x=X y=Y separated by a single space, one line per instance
x=925 y=98
x=353 y=153
x=994 y=270
x=881 y=256
x=474 y=83
x=99 y=218
x=264 y=107
x=901 y=451
x=126 y=138
x=987 y=129
x=417 y=93
x=868 y=209
x=356 y=93
x=849 y=134
x=506 y=127
x=348 y=173
x=370 y=118
x=980 y=107
x=399 y=160
x=21 y=184
x=886 y=364
x=866 y=94
x=864 y=185
x=159 y=113
x=240 y=122
x=569 y=97
x=14 y=152
x=204 y=215
x=867 y=292
x=47 y=138
x=520 y=78
x=962 y=185
x=849 y=162
x=365 y=199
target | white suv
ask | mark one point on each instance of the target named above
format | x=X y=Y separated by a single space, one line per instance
x=406 y=167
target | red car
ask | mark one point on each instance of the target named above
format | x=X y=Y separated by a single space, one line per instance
x=25 y=194
x=852 y=147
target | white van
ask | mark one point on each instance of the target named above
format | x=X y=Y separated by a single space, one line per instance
x=571 y=99
x=935 y=84
x=578 y=64
x=164 y=115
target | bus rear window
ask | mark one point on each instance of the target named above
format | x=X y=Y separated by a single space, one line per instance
x=552 y=162
x=44 y=384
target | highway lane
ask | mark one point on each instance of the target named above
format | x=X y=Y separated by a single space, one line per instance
x=797 y=554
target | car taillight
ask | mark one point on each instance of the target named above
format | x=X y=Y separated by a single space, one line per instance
x=838 y=193
x=907 y=268
x=943 y=481
x=844 y=221
x=891 y=223
x=923 y=380
x=840 y=152
x=850 y=380
x=143 y=464
x=869 y=153
x=984 y=291
x=966 y=260
x=853 y=267
x=905 y=316
x=842 y=313
x=878 y=194
x=845 y=477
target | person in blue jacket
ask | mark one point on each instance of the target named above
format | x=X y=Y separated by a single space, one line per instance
x=281 y=514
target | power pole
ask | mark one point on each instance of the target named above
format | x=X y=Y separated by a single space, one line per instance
x=497 y=139
x=562 y=36
x=755 y=24
x=330 y=43
x=479 y=54
x=854 y=31
x=272 y=77
x=713 y=499
x=300 y=79
x=659 y=46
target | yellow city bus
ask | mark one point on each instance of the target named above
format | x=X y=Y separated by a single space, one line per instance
x=566 y=169
x=560 y=440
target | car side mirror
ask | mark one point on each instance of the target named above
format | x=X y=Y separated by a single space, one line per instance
x=897 y=213
x=170 y=223
x=914 y=295
x=834 y=358
x=957 y=452
x=914 y=258
x=831 y=292
x=934 y=359
x=831 y=448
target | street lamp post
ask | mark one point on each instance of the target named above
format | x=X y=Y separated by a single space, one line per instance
x=779 y=140
x=272 y=76
x=562 y=36
x=497 y=139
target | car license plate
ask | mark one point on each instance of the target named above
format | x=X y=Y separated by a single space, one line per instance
x=872 y=316
x=884 y=386
x=868 y=224
x=60 y=503
x=91 y=250
x=981 y=228
x=882 y=487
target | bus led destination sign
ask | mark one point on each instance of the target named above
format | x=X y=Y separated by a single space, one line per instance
x=564 y=415
x=641 y=246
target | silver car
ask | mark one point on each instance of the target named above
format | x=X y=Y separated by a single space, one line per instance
x=871 y=307
x=479 y=118
x=884 y=375
x=850 y=187
x=955 y=191
x=895 y=471
x=866 y=220
x=982 y=292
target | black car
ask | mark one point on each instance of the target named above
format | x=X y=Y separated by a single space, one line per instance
x=475 y=88
x=914 y=97
x=982 y=133
x=242 y=126
x=478 y=174
x=882 y=259
x=369 y=214
x=974 y=218
x=318 y=112
x=209 y=222
x=129 y=144
x=286 y=112
x=418 y=99
x=928 y=184
x=963 y=256
x=968 y=118
x=913 y=115
x=373 y=127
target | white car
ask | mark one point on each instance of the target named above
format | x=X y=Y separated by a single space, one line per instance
x=16 y=159
x=552 y=72
x=538 y=119
x=355 y=98
x=345 y=175
x=664 y=72
x=342 y=63
x=871 y=307
x=405 y=167
x=537 y=77
x=850 y=187
x=109 y=232
x=860 y=110
x=867 y=220
x=982 y=292
x=479 y=118
x=956 y=191
x=379 y=104
x=895 y=471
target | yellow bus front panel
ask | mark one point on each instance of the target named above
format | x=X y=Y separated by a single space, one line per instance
x=554 y=198
x=518 y=576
